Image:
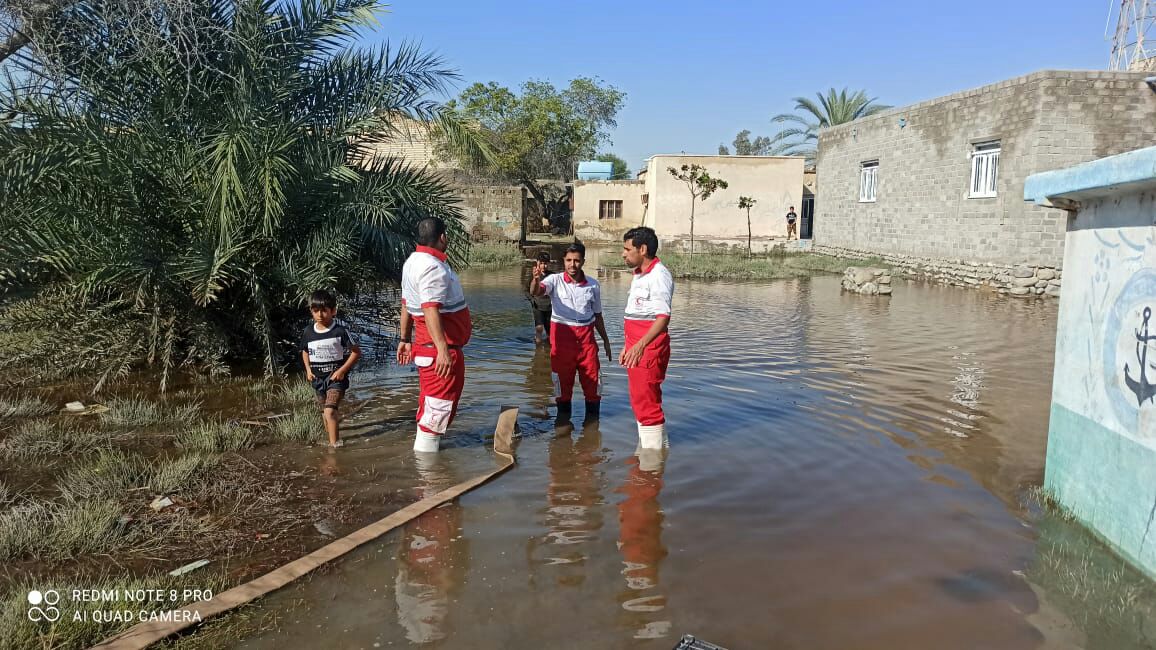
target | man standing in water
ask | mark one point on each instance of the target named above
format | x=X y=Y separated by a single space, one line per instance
x=647 y=350
x=435 y=326
x=576 y=312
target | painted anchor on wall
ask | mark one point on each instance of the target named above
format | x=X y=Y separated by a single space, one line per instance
x=1144 y=390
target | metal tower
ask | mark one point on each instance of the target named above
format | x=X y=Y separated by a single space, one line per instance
x=1134 y=42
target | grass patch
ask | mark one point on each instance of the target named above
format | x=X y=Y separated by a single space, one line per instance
x=491 y=256
x=302 y=425
x=8 y=496
x=43 y=439
x=23 y=407
x=181 y=473
x=141 y=412
x=216 y=437
x=111 y=474
x=58 y=531
x=115 y=473
x=17 y=631
x=715 y=266
x=296 y=393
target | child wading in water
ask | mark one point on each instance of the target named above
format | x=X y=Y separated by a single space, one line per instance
x=329 y=354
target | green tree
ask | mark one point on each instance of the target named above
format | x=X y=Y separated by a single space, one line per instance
x=701 y=185
x=761 y=146
x=722 y=150
x=746 y=203
x=831 y=109
x=542 y=132
x=620 y=170
x=174 y=192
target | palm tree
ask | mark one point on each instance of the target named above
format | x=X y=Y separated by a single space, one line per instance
x=173 y=192
x=831 y=109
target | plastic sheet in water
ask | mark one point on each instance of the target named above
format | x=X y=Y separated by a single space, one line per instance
x=688 y=642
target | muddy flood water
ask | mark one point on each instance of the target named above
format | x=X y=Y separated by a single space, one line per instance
x=844 y=472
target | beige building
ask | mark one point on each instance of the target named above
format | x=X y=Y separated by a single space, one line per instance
x=775 y=182
x=603 y=210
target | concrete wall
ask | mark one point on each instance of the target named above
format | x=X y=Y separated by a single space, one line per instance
x=775 y=182
x=493 y=212
x=412 y=143
x=1044 y=120
x=588 y=194
x=1101 y=458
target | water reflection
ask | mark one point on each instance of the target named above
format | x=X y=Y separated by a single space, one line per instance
x=433 y=557
x=640 y=542
x=573 y=515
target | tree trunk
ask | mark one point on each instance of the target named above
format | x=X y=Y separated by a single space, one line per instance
x=692 y=224
x=539 y=198
x=750 y=253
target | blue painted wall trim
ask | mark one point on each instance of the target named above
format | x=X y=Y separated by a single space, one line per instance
x=1134 y=171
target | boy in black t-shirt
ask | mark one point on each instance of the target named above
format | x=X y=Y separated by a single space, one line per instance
x=540 y=305
x=329 y=354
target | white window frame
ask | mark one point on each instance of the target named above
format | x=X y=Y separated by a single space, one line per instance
x=984 y=170
x=868 y=181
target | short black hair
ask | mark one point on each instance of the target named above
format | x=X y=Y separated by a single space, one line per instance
x=322 y=299
x=544 y=256
x=643 y=235
x=429 y=230
x=577 y=247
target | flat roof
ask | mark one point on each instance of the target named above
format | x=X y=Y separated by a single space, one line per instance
x=1134 y=171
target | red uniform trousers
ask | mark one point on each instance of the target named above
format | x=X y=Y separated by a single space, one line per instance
x=572 y=348
x=646 y=378
x=437 y=402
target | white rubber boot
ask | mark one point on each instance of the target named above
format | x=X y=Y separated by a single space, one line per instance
x=426 y=442
x=652 y=436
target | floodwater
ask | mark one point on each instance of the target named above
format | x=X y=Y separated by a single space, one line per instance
x=844 y=472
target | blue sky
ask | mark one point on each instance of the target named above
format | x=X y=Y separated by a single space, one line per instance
x=695 y=73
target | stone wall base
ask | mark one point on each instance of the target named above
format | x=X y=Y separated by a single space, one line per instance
x=1023 y=280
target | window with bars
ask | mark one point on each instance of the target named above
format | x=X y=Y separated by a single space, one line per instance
x=610 y=209
x=868 y=181
x=984 y=170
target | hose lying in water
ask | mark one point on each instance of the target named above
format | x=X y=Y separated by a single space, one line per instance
x=142 y=635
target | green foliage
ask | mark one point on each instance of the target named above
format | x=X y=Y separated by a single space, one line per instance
x=541 y=133
x=722 y=266
x=142 y=412
x=216 y=437
x=174 y=191
x=495 y=256
x=701 y=185
x=23 y=407
x=302 y=425
x=831 y=109
x=620 y=170
x=49 y=438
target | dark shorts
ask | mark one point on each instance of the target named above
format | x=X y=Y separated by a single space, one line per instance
x=542 y=317
x=329 y=392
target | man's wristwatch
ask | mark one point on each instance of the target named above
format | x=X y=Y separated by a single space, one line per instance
x=406 y=340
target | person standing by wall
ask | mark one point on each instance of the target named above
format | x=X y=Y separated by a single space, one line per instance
x=792 y=218
x=435 y=326
x=647 y=351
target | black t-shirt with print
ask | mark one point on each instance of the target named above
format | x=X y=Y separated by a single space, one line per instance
x=327 y=350
x=791 y=216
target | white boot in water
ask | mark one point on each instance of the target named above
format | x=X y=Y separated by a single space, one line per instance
x=652 y=436
x=426 y=442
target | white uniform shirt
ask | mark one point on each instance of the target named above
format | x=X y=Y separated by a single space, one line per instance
x=572 y=303
x=651 y=292
x=427 y=280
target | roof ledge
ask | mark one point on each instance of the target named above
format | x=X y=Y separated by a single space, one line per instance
x=1126 y=173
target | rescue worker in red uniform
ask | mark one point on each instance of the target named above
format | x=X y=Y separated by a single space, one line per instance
x=647 y=350
x=576 y=312
x=435 y=326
